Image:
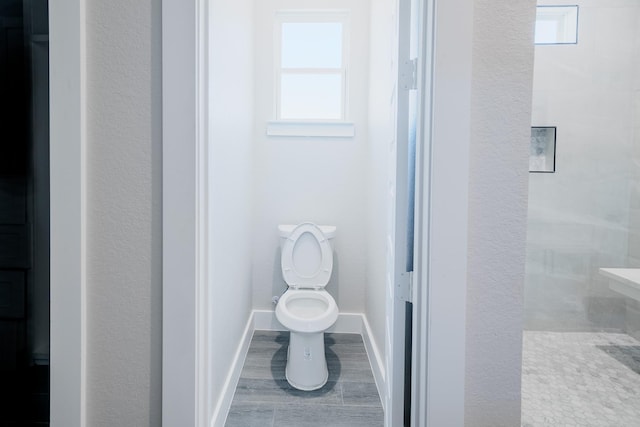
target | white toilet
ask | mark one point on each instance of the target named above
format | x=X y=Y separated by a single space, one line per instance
x=306 y=309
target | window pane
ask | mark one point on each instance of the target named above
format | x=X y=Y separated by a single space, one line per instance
x=311 y=45
x=556 y=25
x=311 y=96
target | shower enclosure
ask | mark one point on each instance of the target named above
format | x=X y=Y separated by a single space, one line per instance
x=584 y=216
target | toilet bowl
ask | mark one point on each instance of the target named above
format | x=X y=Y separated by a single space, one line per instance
x=306 y=309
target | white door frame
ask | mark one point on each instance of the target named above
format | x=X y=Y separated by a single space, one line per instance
x=184 y=326
x=440 y=262
x=440 y=290
x=67 y=67
x=442 y=221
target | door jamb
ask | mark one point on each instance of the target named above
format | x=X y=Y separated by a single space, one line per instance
x=184 y=223
x=440 y=278
x=440 y=290
x=68 y=212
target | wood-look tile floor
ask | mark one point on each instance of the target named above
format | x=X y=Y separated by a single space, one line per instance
x=264 y=398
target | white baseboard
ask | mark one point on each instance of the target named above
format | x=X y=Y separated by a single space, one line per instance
x=347 y=323
x=375 y=359
x=265 y=320
x=224 y=403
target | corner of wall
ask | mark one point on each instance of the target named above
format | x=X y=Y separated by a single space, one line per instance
x=501 y=118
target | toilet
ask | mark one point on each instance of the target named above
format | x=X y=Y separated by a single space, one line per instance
x=306 y=309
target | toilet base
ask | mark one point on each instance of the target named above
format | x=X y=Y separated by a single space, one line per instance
x=306 y=362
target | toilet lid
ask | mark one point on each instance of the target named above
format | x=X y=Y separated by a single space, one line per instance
x=293 y=276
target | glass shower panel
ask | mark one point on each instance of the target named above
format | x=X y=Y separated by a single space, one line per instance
x=586 y=215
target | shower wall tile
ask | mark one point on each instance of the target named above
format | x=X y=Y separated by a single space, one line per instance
x=587 y=214
x=607 y=313
x=634 y=243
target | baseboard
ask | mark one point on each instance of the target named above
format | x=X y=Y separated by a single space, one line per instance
x=224 y=403
x=375 y=359
x=347 y=323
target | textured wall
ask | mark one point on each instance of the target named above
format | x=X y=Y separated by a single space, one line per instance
x=123 y=213
x=501 y=116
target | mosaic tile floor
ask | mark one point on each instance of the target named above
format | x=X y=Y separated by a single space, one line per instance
x=580 y=379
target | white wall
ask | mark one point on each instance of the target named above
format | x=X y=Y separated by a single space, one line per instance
x=501 y=116
x=381 y=136
x=124 y=234
x=580 y=217
x=311 y=179
x=231 y=120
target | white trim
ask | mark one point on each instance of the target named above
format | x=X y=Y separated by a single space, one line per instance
x=440 y=291
x=312 y=129
x=68 y=212
x=376 y=361
x=184 y=334
x=265 y=320
x=221 y=410
x=347 y=323
x=287 y=16
x=419 y=380
x=399 y=287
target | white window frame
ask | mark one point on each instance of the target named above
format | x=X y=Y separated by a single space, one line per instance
x=318 y=127
x=566 y=19
x=290 y=17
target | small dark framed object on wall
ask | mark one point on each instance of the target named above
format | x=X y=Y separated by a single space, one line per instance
x=542 y=152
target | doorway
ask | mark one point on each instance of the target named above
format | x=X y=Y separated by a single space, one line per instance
x=24 y=213
x=186 y=345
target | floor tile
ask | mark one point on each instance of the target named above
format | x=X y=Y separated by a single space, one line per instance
x=581 y=379
x=360 y=394
x=249 y=390
x=250 y=415
x=328 y=416
x=263 y=397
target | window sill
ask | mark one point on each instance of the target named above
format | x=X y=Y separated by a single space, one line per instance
x=313 y=129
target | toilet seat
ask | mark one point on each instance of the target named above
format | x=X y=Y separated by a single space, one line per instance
x=293 y=277
x=301 y=310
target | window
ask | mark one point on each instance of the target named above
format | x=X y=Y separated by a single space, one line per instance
x=311 y=55
x=556 y=25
